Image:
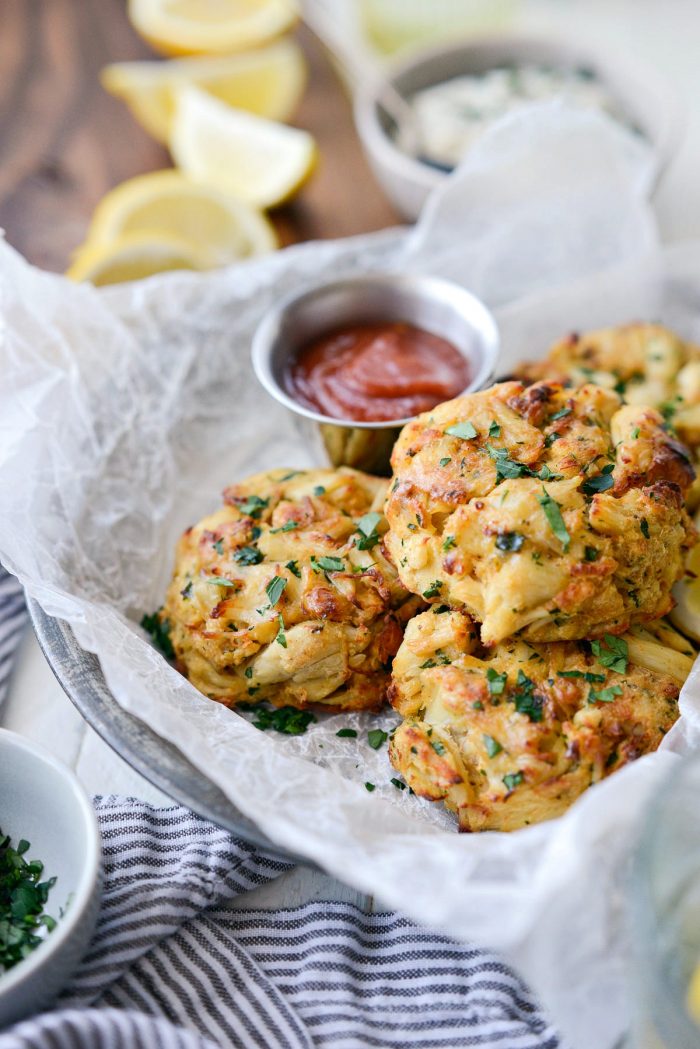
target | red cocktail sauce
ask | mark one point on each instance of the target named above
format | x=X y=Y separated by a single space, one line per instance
x=376 y=372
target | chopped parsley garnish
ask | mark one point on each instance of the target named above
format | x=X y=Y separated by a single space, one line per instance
x=601 y=482
x=587 y=675
x=464 y=430
x=545 y=474
x=509 y=542
x=186 y=592
x=492 y=745
x=552 y=512
x=506 y=467
x=369 y=787
x=288 y=720
x=367 y=527
x=437 y=746
x=398 y=783
x=281 y=638
x=293 y=567
x=590 y=553
x=327 y=564
x=439 y=610
x=612 y=653
x=292 y=473
x=248 y=672
x=319 y=490
x=561 y=414
x=376 y=737
x=220 y=581
x=635 y=433
x=346 y=733
x=477 y=705
x=275 y=589
x=513 y=780
x=288 y=526
x=525 y=699
x=219 y=546
x=445 y=461
x=253 y=506
x=448 y=542
x=496 y=681
x=606 y=695
x=22 y=901
x=494 y=429
x=248 y=555
x=159 y=629
x=644 y=527
x=550 y=439
x=433 y=590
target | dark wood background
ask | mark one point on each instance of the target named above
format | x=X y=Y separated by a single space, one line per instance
x=64 y=141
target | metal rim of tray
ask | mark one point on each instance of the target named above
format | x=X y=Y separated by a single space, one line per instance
x=80 y=676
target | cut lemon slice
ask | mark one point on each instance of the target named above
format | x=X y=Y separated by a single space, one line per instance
x=166 y=203
x=258 y=160
x=686 y=614
x=210 y=27
x=268 y=82
x=133 y=257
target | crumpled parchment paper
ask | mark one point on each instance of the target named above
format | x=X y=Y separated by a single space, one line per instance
x=124 y=412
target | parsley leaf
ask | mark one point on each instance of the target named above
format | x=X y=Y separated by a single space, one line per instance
x=253 y=506
x=606 y=695
x=552 y=512
x=509 y=542
x=288 y=720
x=494 y=429
x=288 y=526
x=448 y=542
x=319 y=490
x=219 y=546
x=437 y=746
x=346 y=733
x=600 y=483
x=644 y=527
x=496 y=681
x=525 y=699
x=248 y=555
x=281 y=638
x=398 y=783
x=220 y=581
x=445 y=461
x=464 y=430
x=22 y=901
x=433 y=590
x=506 y=467
x=513 y=780
x=591 y=554
x=275 y=588
x=369 y=787
x=492 y=745
x=561 y=414
x=328 y=564
x=367 y=527
x=612 y=653
x=159 y=629
x=293 y=567
x=375 y=738
x=584 y=675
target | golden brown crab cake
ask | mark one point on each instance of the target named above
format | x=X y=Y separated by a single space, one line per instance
x=553 y=513
x=646 y=363
x=286 y=593
x=512 y=735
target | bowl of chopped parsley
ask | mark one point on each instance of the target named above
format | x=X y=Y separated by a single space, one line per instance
x=49 y=876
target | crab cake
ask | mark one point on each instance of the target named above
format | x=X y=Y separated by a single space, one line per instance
x=286 y=595
x=645 y=363
x=512 y=735
x=551 y=513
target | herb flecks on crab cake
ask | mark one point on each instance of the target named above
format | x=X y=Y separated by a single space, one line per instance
x=286 y=594
x=512 y=735
x=552 y=513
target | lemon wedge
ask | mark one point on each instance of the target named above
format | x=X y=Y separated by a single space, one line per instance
x=221 y=228
x=686 y=614
x=132 y=257
x=210 y=27
x=268 y=82
x=258 y=160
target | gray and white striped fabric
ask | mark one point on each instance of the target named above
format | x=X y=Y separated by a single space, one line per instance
x=174 y=966
x=13 y=615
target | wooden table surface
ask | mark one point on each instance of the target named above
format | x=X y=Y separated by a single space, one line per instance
x=64 y=141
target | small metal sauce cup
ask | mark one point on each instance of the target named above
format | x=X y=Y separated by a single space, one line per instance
x=435 y=305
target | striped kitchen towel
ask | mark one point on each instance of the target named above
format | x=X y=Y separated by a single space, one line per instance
x=13 y=615
x=174 y=966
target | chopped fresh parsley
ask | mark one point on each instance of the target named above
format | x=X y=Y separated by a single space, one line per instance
x=288 y=526
x=545 y=474
x=369 y=787
x=437 y=746
x=159 y=629
x=248 y=555
x=606 y=695
x=445 y=461
x=186 y=592
x=275 y=589
x=550 y=439
x=293 y=567
x=218 y=580
x=319 y=490
x=376 y=737
x=496 y=681
x=586 y=675
x=561 y=414
x=292 y=473
x=398 y=783
x=492 y=745
x=219 y=546
x=612 y=653
x=635 y=433
x=477 y=705
x=644 y=527
x=253 y=506
x=288 y=720
x=433 y=590
x=281 y=638
x=494 y=429
x=601 y=482
x=439 y=610
x=506 y=467
x=509 y=542
x=367 y=527
x=525 y=699
x=590 y=553
x=464 y=430
x=327 y=564
x=22 y=900
x=513 y=780
x=448 y=542
x=552 y=512
x=346 y=733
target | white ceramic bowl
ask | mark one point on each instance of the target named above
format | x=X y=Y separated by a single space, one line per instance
x=646 y=99
x=42 y=801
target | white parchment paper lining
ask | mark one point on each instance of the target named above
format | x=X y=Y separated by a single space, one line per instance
x=124 y=412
